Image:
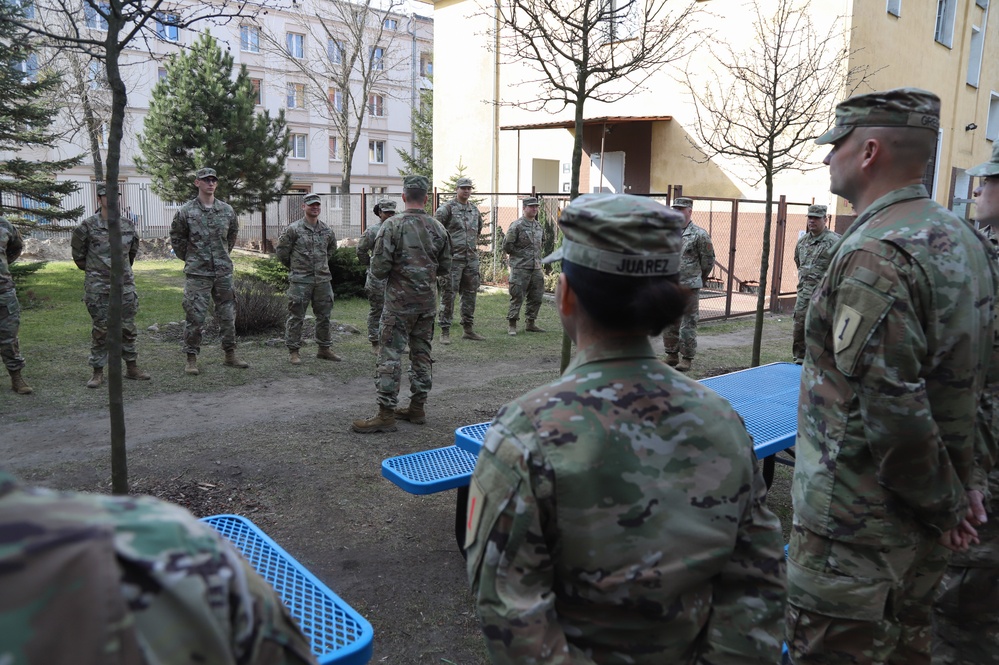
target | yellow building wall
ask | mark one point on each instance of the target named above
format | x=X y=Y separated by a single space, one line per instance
x=673 y=163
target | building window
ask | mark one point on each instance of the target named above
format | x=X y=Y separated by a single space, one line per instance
x=95 y=75
x=295 y=44
x=895 y=7
x=335 y=98
x=376 y=152
x=161 y=74
x=298 y=146
x=975 y=55
x=619 y=19
x=992 y=125
x=296 y=95
x=29 y=67
x=95 y=19
x=27 y=7
x=379 y=190
x=943 y=30
x=376 y=105
x=166 y=26
x=377 y=58
x=426 y=64
x=391 y=24
x=334 y=51
x=249 y=38
x=257 y=84
x=335 y=155
x=336 y=192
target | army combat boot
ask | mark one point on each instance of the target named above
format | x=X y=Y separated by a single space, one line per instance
x=132 y=371
x=17 y=384
x=383 y=422
x=471 y=334
x=192 y=364
x=415 y=412
x=326 y=353
x=295 y=359
x=445 y=335
x=684 y=364
x=97 y=379
x=532 y=327
x=232 y=361
x=672 y=359
x=512 y=328
x=375 y=348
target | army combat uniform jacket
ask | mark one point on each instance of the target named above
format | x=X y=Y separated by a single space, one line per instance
x=811 y=257
x=11 y=246
x=697 y=258
x=899 y=335
x=411 y=250
x=203 y=237
x=617 y=516
x=523 y=244
x=91 y=248
x=365 y=246
x=306 y=250
x=463 y=222
x=93 y=579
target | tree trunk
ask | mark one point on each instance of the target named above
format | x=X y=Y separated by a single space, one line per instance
x=761 y=297
x=577 y=162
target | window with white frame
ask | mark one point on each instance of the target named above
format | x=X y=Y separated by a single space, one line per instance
x=296 y=95
x=376 y=152
x=975 y=55
x=426 y=64
x=336 y=197
x=619 y=18
x=391 y=24
x=335 y=154
x=161 y=74
x=295 y=44
x=166 y=26
x=334 y=51
x=943 y=29
x=95 y=19
x=376 y=105
x=992 y=125
x=379 y=190
x=895 y=7
x=27 y=6
x=299 y=143
x=249 y=38
x=95 y=75
x=377 y=58
x=258 y=95
x=28 y=67
x=335 y=98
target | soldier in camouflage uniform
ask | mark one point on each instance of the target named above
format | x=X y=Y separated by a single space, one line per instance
x=617 y=515
x=374 y=288
x=696 y=263
x=305 y=249
x=523 y=244
x=93 y=579
x=898 y=337
x=202 y=234
x=463 y=222
x=411 y=250
x=91 y=248
x=10 y=310
x=966 y=613
x=811 y=256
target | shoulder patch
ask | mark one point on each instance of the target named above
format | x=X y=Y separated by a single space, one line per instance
x=845 y=326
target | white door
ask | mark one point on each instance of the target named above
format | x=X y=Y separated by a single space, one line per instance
x=607 y=172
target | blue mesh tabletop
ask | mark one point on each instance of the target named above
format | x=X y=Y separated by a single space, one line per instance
x=336 y=632
x=766 y=397
x=430 y=471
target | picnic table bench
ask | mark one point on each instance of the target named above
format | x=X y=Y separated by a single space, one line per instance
x=336 y=632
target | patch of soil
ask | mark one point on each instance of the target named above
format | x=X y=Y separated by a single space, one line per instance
x=202 y=497
x=718 y=371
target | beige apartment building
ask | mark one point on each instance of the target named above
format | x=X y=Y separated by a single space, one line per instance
x=646 y=141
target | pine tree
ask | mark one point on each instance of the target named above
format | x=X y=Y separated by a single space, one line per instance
x=200 y=116
x=28 y=189
x=422 y=122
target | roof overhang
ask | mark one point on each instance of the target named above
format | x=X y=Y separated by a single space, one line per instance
x=608 y=120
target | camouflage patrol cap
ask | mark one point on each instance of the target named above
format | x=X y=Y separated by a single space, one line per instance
x=102 y=190
x=312 y=198
x=531 y=201
x=205 y=173
x=899 y=107
x=816 y=210
x=416 y=182
x=683 y=202
x=464 y=182
x=620 y=234
x=990 y=167
x=386 y=205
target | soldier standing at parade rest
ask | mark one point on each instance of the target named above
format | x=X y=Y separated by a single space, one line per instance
x=523 y=244
x=92 y=579
x=305 y=249
x=411 y=250
x=202 y=234
x=898 y=338
x=374 y=288
x=696 y=263
x=966 y=612
x=10 y=310
x=91 y=248
x=811 y=256
x=463 y=222
x=617 y=515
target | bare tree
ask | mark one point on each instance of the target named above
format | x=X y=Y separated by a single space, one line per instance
x=766 y=105
x=109 y=28
x=85 y=101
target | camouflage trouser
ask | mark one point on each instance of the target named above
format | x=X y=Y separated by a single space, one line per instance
x=199 y=292
x=10 y=322
x=464 y=282
x=682 y=335
x=850 y=603
x=966 y=613
x=529 y=282
x=375 y=289
x=397 y=330
x=97 y=305
x=798 y=330
x=300 y=296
